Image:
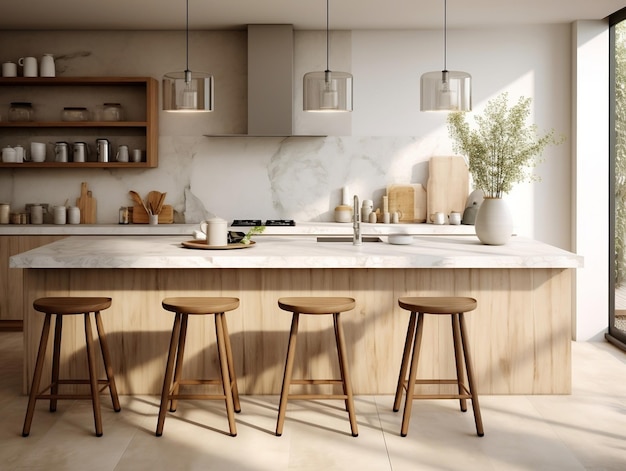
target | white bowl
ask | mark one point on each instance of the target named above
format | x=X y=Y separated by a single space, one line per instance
x=400 y=239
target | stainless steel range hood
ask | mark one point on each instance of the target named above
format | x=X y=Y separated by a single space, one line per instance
x=270 y=82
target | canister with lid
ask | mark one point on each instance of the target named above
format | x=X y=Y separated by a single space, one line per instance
x=21 y=111
x=112 y=112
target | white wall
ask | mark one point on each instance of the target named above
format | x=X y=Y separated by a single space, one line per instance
x=590 y=192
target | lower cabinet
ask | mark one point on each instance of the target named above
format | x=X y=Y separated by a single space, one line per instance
x=11 y=284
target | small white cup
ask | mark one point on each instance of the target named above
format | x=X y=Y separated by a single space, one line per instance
x=38 y=151
x=439 y=218
x=30 y=66
x=153 y=219
x=136 y=155
x=9 y=69
x=455 y=218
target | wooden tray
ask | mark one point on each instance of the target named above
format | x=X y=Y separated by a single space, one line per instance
x=201 y=244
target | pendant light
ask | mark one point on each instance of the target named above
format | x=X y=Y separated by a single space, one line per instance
x=446 y=90
x=187 y=91
x=327 y=91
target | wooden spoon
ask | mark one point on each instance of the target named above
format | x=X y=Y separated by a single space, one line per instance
x=160 y=203
x=137 y=199
x=153 y=201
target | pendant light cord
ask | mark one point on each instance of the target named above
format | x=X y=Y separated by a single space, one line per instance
x=187 y=39
x=327 y=41
x=445 y=34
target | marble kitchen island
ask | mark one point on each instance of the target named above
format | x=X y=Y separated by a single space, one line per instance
x=520 y=333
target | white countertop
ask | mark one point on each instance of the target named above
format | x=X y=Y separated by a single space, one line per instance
x=295 y=252
x=301 y=228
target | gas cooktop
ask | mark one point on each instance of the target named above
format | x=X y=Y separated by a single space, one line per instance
x=259 y=222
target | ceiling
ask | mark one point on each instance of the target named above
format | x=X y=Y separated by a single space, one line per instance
x=303 y=14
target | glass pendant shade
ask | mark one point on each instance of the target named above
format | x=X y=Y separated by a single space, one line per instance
x=327 y=91
x=446 y=91
x=187 y=91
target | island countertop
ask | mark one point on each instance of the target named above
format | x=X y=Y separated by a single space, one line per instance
x=440 y=251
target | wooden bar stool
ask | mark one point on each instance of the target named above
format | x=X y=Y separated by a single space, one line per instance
x=316 y=306
x=455 y=307
x=67 y=306
x=184 y=307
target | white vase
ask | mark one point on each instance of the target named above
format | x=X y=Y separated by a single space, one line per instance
x=494 y=223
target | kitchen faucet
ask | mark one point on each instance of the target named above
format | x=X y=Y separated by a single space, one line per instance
x=356 y=222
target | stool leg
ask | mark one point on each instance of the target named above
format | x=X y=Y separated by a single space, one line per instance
x=231 y=366
x=106 y=358
x=169 y=371
x=284 y=392
x=408 y=343
x=56 y=354
x=345 y=374
x=224 y=370
x=457 y=358
x=93 y=379
x=34 y=387
x=412 y=376
x=470 y=378
x=178 y=370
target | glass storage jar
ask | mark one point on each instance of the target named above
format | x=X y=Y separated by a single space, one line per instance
x=21 y=111
x=71 y=113
x=112 y=112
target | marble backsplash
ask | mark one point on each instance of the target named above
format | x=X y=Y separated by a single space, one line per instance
x=239 y=177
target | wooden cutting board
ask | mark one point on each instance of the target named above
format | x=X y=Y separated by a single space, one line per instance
x=409 y=200
x=87 y=205
x=448 y=185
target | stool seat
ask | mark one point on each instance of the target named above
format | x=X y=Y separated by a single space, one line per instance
x=183 y=307
x=438 y=305
x=71 y=305
x=317 y=306
x=455 y=307
x=200 y=305
x=59 y=307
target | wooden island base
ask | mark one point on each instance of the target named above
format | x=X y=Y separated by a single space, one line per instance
x=520 y=333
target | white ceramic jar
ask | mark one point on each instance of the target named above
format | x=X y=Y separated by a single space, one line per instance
x=73 y=215
x=36 y=214
x=60 y=214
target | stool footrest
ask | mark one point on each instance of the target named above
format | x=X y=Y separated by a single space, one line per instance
x=196 y=382
x=316 y=381
x=317 y=396
x=197 y=396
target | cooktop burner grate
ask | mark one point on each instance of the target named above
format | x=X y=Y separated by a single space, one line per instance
x=258 y=222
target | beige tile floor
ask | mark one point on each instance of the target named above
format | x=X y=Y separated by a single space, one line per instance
x=585 y=430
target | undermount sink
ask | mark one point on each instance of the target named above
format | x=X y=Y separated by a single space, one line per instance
x=348 y=239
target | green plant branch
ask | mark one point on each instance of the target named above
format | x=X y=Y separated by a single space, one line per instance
x=503 y=148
